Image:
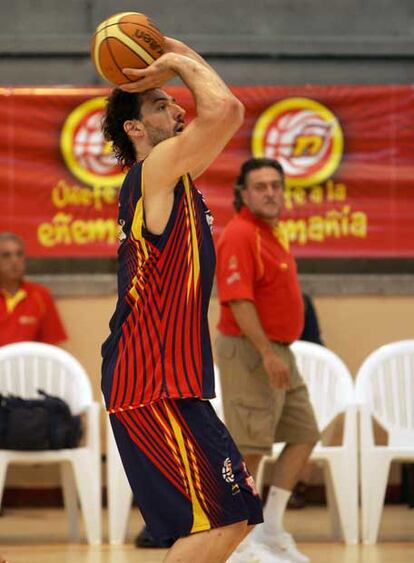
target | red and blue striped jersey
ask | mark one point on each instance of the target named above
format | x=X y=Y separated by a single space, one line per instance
x=159 y=343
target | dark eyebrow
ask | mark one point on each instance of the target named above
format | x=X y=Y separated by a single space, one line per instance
x=161 y=99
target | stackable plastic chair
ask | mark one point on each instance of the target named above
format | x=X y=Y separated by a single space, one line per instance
x=385 y=392
x=29 y=366
x=331 y=392
x=119 y=491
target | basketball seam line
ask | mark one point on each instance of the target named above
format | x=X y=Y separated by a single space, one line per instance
x=113 y=20
x=113 y=58
x=152 y=29
x=145 y=56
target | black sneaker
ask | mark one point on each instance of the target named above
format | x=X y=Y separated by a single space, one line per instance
x=298 y=497
x=146 y=539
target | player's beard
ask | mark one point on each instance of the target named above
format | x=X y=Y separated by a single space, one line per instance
x=156 y=134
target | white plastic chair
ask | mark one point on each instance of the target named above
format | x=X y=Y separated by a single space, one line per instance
x=331 y=392
x=119 y=491
x=28 y=366
x=385 y=392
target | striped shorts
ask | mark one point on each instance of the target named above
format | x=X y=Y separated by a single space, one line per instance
x=184 y=469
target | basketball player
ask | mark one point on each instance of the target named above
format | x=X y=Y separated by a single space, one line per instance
x=187 y=476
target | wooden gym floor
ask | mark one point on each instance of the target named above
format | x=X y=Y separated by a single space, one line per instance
x=39 y=536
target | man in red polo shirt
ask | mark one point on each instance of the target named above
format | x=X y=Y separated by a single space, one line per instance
x=27 y=310
x=261 y=313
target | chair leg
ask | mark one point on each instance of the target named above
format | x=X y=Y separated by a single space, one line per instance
x=70 y=499
x=3 y=473
x=344 y=490
x=332 y=503
x=374 y=476
x=119 y=494
x=88 y=484
x=119 y=504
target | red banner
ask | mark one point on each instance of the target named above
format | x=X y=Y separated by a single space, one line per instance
x=347 y=151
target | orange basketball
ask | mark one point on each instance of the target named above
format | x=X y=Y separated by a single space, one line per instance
x=125 y=40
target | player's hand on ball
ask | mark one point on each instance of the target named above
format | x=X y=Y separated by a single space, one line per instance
x=126 y=39
x=154 y=76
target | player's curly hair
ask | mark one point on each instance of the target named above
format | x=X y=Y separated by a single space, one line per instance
x=248 y=166
x=120 y=107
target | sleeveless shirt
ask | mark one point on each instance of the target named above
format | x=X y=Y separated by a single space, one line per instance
x=159 y=343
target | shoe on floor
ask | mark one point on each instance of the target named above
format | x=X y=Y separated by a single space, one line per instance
x=242 y=557
x=146 y=539
x=255 y=553
x=298 y=499
x=282 y=544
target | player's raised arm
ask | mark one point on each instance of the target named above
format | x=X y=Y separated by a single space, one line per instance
x=218 y=115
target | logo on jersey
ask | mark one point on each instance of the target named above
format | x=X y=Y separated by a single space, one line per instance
x=227 y=471
x=27 y=320
x=233 y=262
x=208 y=215
x=234 y=275
x=233 y=278
x=209 y=219
x=86 y=153
x=122 y=234
x=304 y=136
x=250 y=481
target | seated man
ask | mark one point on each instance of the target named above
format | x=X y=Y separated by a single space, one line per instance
x=27 y=310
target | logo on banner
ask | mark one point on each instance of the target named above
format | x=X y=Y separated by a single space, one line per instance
x=86 y=152
x=304 y=136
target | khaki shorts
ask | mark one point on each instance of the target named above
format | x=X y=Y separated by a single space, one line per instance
x=256 y=414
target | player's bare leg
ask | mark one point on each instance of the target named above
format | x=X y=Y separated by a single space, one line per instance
x=212 y=546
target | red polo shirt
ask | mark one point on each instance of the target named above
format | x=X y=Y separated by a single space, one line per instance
x=30 y=315
x=254 y=265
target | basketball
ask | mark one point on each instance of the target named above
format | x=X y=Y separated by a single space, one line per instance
x=125 y=40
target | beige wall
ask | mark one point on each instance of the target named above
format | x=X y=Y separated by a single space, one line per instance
x=86 y=321
x=355 y=326
x=351 y=326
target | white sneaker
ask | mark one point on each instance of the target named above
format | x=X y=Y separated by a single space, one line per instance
x=255 y=553
x=243 y=557
x=282 y=544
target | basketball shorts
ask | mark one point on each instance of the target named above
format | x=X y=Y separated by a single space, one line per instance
x=184 y=469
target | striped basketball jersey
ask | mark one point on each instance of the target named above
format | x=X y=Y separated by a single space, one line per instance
x=159 y=343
